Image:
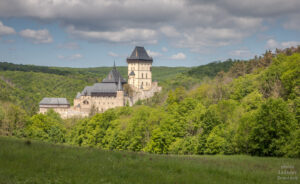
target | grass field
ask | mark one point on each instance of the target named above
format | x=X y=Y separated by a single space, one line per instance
x=44 y=163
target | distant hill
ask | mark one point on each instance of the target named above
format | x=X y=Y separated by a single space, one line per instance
x=211 y=69
x=26 y=85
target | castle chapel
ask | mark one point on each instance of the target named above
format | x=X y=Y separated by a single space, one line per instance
x=110 y=92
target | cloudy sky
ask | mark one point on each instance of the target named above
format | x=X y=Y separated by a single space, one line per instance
x=89 y=33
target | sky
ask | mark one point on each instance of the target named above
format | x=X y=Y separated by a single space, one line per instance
x=93 y=33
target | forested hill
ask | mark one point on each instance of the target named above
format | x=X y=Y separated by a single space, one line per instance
x=253 y=108
x=211 y=69
x=26 y=85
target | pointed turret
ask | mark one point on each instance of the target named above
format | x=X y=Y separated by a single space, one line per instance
x=113 y=76
x=120 y=85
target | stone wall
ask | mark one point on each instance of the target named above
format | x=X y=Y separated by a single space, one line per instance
x=101 y=104
x=65 y=112
x=139 y=94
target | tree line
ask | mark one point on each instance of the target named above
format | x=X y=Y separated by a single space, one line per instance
x=253 y=108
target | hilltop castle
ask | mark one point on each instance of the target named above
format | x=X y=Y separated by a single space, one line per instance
x=110 y=92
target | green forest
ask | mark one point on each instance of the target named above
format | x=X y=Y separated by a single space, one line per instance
x=233 y=107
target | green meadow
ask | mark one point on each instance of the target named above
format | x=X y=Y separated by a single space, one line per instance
x=23 y=161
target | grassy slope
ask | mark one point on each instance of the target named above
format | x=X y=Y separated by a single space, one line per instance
x=48 y=163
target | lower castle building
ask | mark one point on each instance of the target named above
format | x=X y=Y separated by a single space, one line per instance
x=110 y=92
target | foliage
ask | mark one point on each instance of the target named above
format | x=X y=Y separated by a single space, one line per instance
x=12 y=119
x=47 y=127
x=253 y=108
x=272 y=126
x=211 y=69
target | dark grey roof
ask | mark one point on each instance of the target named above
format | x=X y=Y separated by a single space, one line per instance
x=100 y=88
x=113 y=77
x=54 y=101
x=139 y=53
x=132 y=73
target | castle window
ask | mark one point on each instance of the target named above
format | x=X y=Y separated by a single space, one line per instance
x=146 y=76
x=142 y=75
x=86 y=102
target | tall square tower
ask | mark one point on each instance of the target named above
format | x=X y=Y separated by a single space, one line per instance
x=140 y=69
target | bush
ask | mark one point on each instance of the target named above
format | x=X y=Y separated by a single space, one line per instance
x=47 y=127
x=271 y=129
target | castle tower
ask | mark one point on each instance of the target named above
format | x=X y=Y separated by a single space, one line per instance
x=139 y=69
x=120 y=94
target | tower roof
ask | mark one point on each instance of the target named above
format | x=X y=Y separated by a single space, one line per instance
x=113 y=76
x=139 y=53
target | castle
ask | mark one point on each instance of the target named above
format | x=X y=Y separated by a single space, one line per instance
x=110 y=93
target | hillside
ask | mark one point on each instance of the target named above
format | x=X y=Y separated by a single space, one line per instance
x=36 y=162
x=26 y=85
x=211 y=69
x=252 y=109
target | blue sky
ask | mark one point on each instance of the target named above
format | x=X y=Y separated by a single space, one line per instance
x=90 y=33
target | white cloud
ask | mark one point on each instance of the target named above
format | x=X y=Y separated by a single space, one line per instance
x=241 y=53
x=37 y=36
x=6 y=30
x=178 y=56
x=293 y=23
x=164 y=49
x=200 y=39
x=169 y=31
x=112 y=54
x=129 y=35
x=71 y=57
x=200 y=25
x=75 y=56
x=9 y=41
x=290 y=44
x=153 y=54
x=60 y=56
x=69 y=45
x=273 y=44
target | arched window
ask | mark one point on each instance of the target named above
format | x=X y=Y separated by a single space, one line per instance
x=86 y=102
x=142 y=75
x=146 y=76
